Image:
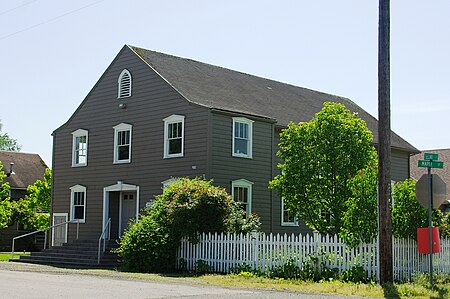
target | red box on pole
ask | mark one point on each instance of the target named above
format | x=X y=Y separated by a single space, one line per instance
x=423 y=240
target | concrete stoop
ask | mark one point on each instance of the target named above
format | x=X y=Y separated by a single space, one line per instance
x=75 y=254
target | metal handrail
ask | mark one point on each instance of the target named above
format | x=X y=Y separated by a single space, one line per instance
x=102 y=236
x=45 y=231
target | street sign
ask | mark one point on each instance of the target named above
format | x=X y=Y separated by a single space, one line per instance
x=431 y=164
x=439 y=191
x=428 y=156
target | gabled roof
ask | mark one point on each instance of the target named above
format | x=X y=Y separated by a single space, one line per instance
x=444 y=173
x=28 y=168
x=224 y=89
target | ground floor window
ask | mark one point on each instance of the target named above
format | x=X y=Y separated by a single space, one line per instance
x=241 y=192
x=287 y=217
x=78 y=203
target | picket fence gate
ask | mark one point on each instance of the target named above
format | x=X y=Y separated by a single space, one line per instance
x=223 y=252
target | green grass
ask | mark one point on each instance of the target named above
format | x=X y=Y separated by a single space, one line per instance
x=418 y=289
x=5 y=256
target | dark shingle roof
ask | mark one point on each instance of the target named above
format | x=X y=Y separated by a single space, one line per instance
x=225 y=89
x=27 y=168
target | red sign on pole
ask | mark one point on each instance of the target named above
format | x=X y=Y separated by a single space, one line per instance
x=423 y=240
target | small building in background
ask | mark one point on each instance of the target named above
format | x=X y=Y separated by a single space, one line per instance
x=444 y=173
x=21 y=170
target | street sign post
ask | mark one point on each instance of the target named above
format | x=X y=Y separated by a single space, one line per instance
x=428 y=156
x=429 y=162
x=439 y=191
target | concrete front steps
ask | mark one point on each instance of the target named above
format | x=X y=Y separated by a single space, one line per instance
x=75 y=254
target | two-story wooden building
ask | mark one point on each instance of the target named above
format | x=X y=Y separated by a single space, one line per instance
x=152 y=117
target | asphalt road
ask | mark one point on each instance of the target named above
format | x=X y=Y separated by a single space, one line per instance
x=18 y=281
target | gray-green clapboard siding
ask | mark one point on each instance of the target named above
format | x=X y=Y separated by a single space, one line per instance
x=224 y=168
x=152 y=100
x=399 y=165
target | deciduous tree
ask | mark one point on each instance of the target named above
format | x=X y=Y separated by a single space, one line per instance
x=7 y=143
x=319 y=158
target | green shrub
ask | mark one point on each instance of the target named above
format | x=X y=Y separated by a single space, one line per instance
x=186 y=208
x=147 y=247
x=288 y=270
x=202 y=267
x=355 y=274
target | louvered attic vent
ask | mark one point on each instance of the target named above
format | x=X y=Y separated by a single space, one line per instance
x=124 y=84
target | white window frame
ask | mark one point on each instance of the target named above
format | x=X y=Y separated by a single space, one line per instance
x=167 y=182
x=75 y=134
x=171 y=120
x=122 y=128
x=120 y=84
x=248 y=122
x=243 y=183
x=73 y=190
x=287 y=223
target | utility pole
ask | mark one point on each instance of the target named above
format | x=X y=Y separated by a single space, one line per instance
x=384 y=144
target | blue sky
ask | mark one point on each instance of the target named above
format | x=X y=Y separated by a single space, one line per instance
x=53 y=52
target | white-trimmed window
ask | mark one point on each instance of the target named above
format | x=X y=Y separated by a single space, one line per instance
x=124 y=83
x=78 y=203
x=122 y=143
x=242 y=137
x=79 y=148
x=241 y=192
x=174 y=136
x=287 y=218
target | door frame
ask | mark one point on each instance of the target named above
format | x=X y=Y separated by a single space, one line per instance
x=121 y=208
x=119 y=187
x=53 y=223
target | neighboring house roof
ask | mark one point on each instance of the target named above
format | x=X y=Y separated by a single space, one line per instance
x=223 y=89
x=28 y=168
x=444 y=173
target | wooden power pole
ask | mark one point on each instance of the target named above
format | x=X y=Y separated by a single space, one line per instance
x=384 y=144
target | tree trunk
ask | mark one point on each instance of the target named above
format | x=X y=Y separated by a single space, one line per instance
x=384 y=144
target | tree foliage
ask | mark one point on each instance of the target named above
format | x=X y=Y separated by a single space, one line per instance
x=407 y=213
x=7 y=143
x=320 y=157
x=31 y=211
x=5 y=205
x=186 y=208
x=360 y=218
x=361 y=222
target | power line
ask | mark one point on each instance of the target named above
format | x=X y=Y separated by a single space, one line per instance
x=50 y=20
x=17 y=7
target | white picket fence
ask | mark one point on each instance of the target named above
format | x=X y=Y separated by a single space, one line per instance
x=223 y=252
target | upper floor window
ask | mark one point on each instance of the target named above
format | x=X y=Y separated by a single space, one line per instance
x=242 y=137
x=79 y=148
x=174 y=136
x=287 y=218
x=124 y=84
x=122 y=143
x=78 y=203
x=241 y=192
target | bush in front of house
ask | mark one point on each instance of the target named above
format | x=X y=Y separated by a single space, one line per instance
x=186 y=208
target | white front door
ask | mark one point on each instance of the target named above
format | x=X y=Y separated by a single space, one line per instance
x=59 y=233
x=128 y=209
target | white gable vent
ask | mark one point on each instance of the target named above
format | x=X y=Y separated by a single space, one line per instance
x=124 y=84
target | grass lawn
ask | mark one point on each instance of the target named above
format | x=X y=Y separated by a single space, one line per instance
x=5 y=256
x=419 y=289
